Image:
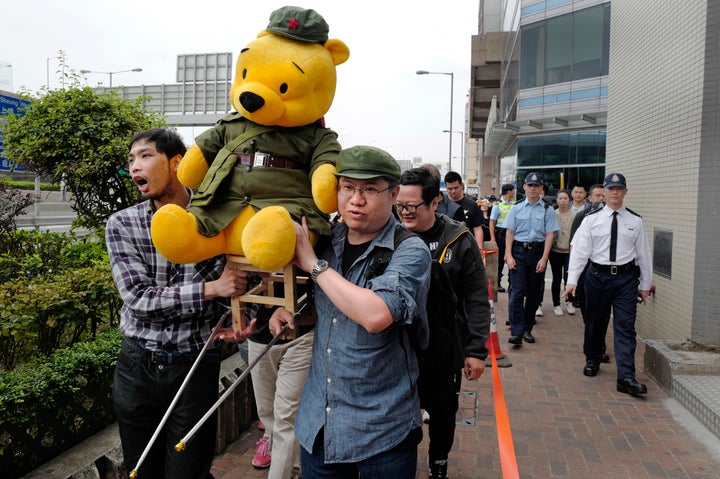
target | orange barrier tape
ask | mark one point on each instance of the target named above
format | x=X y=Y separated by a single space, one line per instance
x=508 y=461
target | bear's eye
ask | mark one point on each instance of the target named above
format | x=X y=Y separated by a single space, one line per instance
x=283 y=88
x=244 y=75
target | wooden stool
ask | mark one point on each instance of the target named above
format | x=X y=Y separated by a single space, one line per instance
x=264 y=293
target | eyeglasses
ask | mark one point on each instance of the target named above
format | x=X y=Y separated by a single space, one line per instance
x=368 y=192
x=410 y=209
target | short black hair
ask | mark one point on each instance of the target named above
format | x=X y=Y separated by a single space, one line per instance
x=166 y=140
x=425 y=179
x=595 y=186
x=452 y=177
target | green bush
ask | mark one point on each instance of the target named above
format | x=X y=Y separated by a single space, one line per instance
x=30 y=185
x=42 y=315
x=47 y=407
x=31 y=254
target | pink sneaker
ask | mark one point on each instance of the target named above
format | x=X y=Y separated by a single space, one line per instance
x=261 y=460
x=261 y=426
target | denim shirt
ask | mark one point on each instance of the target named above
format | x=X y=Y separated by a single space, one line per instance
x=361 y=387
x=530 y=222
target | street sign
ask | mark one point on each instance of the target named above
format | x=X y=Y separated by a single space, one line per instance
x=9 y=103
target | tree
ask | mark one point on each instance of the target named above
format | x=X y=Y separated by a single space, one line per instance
x=82 y=137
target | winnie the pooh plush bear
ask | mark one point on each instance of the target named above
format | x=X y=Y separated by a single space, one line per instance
x=269 y=163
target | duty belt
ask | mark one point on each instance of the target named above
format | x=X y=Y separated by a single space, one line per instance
x=529 y=244
x=263 y=160
x=613 y=268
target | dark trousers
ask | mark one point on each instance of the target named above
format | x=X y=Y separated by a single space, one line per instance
x=559 y=266
x=440 y=400
x=526 y=285
x=500 y=239
x=142 y=392
x=603 y=291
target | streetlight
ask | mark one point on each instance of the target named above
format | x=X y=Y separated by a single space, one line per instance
x=425 y=72
x=462 y=149
x=110 y=74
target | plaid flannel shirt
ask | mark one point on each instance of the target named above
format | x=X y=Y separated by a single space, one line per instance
x=163 y=306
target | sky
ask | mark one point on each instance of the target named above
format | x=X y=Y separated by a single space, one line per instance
x=379 y=100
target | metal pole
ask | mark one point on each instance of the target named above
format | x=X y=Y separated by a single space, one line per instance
x=111 y=74
x=452 y=81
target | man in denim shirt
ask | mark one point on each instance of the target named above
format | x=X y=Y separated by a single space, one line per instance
x=360 y=411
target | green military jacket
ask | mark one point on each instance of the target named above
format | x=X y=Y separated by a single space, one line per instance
x=229 y=187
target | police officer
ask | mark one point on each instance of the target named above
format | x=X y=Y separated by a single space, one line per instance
x=614 y=242
x=529 y=229
x=498 y=214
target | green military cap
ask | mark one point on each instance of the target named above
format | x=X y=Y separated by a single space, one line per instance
x=364 y=162
x=301 y=24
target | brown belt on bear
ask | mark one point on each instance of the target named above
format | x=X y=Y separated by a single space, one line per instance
x=263 y=160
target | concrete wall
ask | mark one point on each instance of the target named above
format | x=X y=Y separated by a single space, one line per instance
x=660 y=138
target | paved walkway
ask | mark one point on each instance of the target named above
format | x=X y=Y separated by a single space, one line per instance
x=564 y=425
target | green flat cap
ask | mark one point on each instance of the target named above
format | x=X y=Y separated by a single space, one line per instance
x=364 y=162
x=301 y=24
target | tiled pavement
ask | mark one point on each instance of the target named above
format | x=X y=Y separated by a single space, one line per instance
x=564 y=425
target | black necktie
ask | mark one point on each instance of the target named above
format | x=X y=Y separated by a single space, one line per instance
x=613 y=237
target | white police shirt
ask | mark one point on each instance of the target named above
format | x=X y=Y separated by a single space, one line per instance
x=592 y=241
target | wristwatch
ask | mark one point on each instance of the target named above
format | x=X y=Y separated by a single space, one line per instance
x=320 y=266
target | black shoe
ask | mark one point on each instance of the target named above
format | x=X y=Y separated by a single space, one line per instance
x=438 y=469
x=591 y=369
x=500 y=289
x=528 y=337
x=631 y=386
x=605 y=358
x=515 y=340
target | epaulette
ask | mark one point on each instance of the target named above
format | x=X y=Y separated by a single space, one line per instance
x=593 y=211
x=632 y=212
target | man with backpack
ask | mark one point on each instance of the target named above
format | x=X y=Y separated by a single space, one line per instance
x=457 y=307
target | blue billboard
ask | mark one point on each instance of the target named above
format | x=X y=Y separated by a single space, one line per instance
x=9 y=103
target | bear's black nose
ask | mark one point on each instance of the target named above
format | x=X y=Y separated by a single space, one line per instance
x=251 y=102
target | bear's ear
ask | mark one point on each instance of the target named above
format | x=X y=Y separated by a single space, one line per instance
x=338 y=50
x=264 y=33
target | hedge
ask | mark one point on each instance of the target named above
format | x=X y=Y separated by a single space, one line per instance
x=47 y=407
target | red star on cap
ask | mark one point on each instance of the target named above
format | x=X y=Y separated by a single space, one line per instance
x=293 y=24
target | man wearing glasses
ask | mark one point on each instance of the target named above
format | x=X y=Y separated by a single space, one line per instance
x=360 y=411
x=456 y=250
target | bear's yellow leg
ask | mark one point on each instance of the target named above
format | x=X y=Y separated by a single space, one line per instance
x=233 y=231
x=175 y=235
x=268 y=238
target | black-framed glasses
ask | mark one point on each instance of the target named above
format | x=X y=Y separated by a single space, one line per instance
x=410 y=209
x=368 y=192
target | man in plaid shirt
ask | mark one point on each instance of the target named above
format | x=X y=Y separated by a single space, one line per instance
x=167 y=315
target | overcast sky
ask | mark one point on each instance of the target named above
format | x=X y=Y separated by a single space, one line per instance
x=379 y=100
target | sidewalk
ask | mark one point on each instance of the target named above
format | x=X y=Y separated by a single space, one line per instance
x=564 y=425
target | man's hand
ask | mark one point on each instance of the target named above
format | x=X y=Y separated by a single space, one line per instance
x=569 y=291
x=541 y=265
x=644 y=293
x=510 y=261
x=474 y=368
x=305 y=257
x=232 y=282
x=229 y=335
x=279 y=319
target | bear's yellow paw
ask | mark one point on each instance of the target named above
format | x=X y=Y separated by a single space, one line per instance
x=174 y=233
x=268 y=239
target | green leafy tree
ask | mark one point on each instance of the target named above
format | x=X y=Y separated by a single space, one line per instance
x=81 y=136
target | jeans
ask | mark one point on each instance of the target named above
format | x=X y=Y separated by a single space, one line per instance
x=396 y=464
x=142 y=392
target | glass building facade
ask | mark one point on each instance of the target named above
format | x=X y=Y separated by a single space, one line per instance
x=555 y=69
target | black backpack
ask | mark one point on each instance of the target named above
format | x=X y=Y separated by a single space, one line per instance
x=444 y=353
